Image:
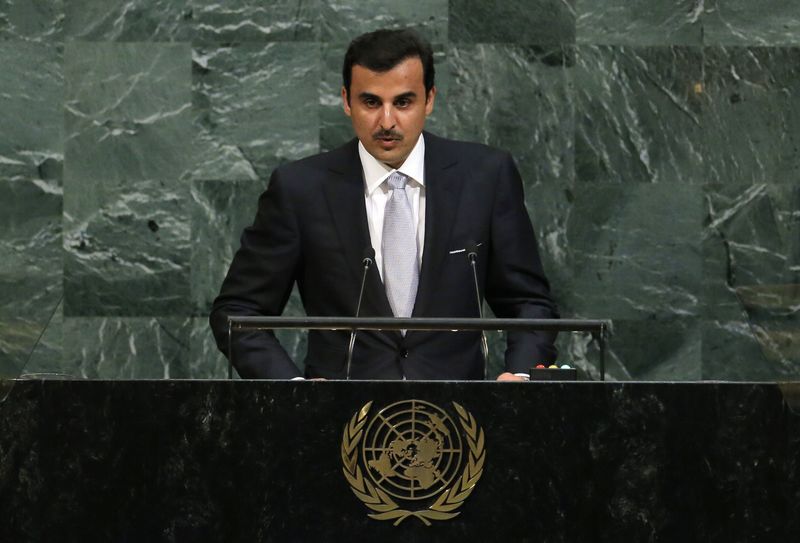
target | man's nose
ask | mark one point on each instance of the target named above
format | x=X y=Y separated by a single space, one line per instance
x=388 y=117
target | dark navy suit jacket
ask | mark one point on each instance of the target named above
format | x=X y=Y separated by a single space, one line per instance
x=311 y=228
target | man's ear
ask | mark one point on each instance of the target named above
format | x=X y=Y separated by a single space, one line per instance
x=345 y=102
x=429 y=101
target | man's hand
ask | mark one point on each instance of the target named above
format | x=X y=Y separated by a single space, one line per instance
x=506 y=376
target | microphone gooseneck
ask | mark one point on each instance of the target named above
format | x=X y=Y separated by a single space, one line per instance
x=472 y=256
x=366 y=261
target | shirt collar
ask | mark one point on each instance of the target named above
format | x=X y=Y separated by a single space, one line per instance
x=375 y=171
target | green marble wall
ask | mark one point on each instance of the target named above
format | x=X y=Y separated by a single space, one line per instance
x=659 y=141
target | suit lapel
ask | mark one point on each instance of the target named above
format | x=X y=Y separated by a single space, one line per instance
x=443 y=184
x=345 y=197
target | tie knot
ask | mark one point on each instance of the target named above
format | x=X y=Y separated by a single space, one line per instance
x=397 y=181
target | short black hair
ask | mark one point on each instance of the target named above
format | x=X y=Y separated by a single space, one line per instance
x=383 y=49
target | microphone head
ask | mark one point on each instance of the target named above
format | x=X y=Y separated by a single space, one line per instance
x=472 y=249
x=369 y=256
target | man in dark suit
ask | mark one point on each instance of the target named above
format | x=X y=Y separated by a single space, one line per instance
x=418 y=200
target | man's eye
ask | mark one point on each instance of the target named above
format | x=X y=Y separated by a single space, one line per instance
x=370 y=102
x=405 y=102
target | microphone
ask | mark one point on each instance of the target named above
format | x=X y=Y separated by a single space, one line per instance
x=472 y=256
x=367 y=261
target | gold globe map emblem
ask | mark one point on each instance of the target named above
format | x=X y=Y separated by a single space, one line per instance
x=411 y=459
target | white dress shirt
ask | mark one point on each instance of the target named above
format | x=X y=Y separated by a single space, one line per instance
x=377 y=194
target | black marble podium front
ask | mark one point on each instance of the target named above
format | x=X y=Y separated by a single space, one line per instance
x=218 y=461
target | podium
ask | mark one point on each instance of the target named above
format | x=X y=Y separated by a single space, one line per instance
x=266 y=461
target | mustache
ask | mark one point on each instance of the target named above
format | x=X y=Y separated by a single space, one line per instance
x=387 y=134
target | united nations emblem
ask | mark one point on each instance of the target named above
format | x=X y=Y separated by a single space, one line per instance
x=412 y=460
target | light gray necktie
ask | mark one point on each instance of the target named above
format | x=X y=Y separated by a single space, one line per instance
x=399 y=248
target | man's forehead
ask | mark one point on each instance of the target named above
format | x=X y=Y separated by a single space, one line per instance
x=407 y=73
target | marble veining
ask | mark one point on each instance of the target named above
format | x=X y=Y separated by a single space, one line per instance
x=657 y=141
x=240 y=96
x=128 y=20
x=342 y=20
x=245 y=20
x=30 y=272
x=751 y=116
x=527 y=114
x=538 y=22
x=31 y=20
x=640 y=22
x=638 y=115
x=31 y=138
x=740 y=22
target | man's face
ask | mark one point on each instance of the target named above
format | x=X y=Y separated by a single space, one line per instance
x=388 y=109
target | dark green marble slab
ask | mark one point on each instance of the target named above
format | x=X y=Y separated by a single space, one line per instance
x=743 y=350
x=251 y=20
x=638 y=115
x=515 y=98
x=635 y=252
x=126 y=208
x=343 y=20
x=127 y=348
x=128 y=20
x=31 y=112
x=127 y=112
x=650 y=350
x=751 y=117
x=687 y=22
x=44 y=358
x=130 y=256
x=751 y=244
x=751 y=263
x=744 y=22
x=30 y=270
x=31 y=159
x=639 y=22
x=538 y=22
x=254 y=107
x=34 y=20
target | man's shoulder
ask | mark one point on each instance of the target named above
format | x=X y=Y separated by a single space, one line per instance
x=463 y=150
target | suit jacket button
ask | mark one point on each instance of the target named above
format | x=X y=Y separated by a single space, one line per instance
x=404 y=353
